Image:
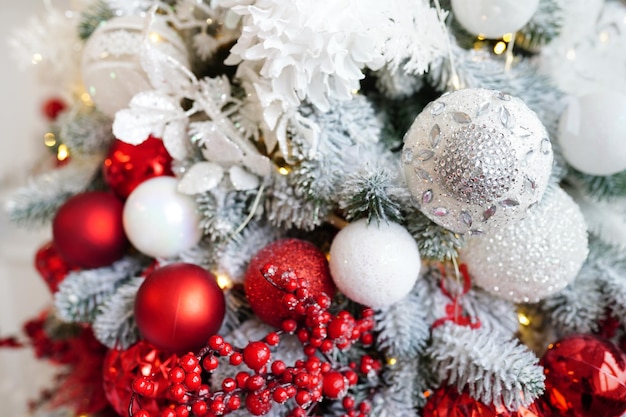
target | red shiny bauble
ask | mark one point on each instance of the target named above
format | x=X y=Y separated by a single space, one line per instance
x=126 y=166
x=88 y=231
x=51 y=266
x=585 y=376
x=120 y=369
x=448 y=402
x=178 y=307
x=539 y=408
x=301 y=257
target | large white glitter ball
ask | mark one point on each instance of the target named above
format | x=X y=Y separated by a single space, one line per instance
x=111 y=63
x=535 y=258
x=493 y=18
x=160 y=221
x=475 y=160
x=591 y=133
x=374 y=264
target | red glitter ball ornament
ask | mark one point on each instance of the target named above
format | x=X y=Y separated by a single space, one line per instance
x=179 y=306
x=302 y=258
x=122 y=367
x=51 y=266
x=126 y=166
x=585 y=376
x=87 y=230
x=447 y=402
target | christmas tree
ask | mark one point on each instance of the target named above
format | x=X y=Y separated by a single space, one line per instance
x=331 y=208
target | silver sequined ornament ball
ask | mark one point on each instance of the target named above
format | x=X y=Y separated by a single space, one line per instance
x=535 y=258
x=476 y=160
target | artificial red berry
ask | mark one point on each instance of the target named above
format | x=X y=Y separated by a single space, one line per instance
x=340 y=327
x=242 y=378
x=200 y=408
x=303 y=397
x=327 y=346
x=259 y=403
x=325 y=367
x=348 y=403
x=210 y=363
x=182 y=411
x=52 y=107
x=367 y=339
x=255 y=382
x=234 y=403
x=235 y=359
x=280 y=395
x=303 y=335
x=351 y=377
x=289 y=325
x=226 y=350
x=256 y=355
x=193 y=381
x=176 y=375
x=188 y=362
x=278 y=367
x=291 y=391
x=309 y=350
x=298 y=412
x=365 y=407
x=167 y=412
x=141 y=413
x=302 y=294
x=216 y=342
x=177 y=391
x=272 y=339
x=218 y=406
x=301 y=379
x=334 y=385
x=141 y=385
x=229 y=385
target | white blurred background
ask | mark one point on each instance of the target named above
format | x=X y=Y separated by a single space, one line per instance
x=22 y=293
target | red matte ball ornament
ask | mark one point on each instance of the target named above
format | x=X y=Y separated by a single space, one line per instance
x=447 y=402
x=303 y=258
x=122 y=367
x=585 y=376
x=87 y=230
x=126 y=166
x=51 y=266
x=179 y=307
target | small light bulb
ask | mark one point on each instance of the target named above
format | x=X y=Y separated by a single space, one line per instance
x=49 y=139
x=224 y=281
x=62 y=153
x=499 y=48
x=392 y=361
x=283 y=171
x=523 y=319
x=507 y=37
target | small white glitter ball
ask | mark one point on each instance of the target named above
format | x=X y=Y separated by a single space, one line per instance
x=493 y=18
x=475 y=160
x=111 y=63
x=535 y=258
x=376 y=264
x=591 y=133
x=160 y=221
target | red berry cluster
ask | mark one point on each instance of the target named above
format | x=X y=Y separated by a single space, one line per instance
x=300 y=387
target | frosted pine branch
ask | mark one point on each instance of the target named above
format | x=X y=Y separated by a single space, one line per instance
x=402 y=329
x=494 y=313
x=82 y=292
x=397 y=397
x=545 y=24
x=238 y=310
x=223 y=212
x=36 y=203
x=114 y=325
x=434 y=241
x=85 y=131
x=92 y=17
x=494 y=369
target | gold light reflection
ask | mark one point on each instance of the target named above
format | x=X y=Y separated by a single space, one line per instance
x=49 y=139
x=523 y=319
x=62 y=152
x=224 y=281
x=499 y=48
x=392 y=361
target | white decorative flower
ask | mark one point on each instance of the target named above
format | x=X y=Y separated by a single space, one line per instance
x=317 y=49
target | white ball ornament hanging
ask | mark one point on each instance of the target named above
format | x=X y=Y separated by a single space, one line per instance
x=535 y=258
x=111 y=63
x=493 y=18
x=591 y=133
x=475 y=160
x=374 y=264
x=160 y=221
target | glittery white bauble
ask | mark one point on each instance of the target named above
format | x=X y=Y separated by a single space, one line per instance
x=591 y=133
x=376 y=264
x=160 y=221
x=535 y=258
x=493 y=18
x=475 y=160
x=111 y=64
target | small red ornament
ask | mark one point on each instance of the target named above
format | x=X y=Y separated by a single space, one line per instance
x=302 y=258
x=87 y=230
x=126 y=166
x=122 y=367
x=51 y=266
x=178 y=307
x=585 y=376
x=447 y=402
x=52 y=107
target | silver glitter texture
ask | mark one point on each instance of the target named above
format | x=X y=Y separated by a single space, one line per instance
x=535 y=258
x=481 y=157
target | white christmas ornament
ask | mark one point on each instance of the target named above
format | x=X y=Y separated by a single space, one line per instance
x=531 y=260
x=376 y=264
x=475 y=160
x=591 y=133
x=111 y=65
x=493 y=18
x=160 y=221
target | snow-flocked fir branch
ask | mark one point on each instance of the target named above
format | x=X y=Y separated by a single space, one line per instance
x=495 y=369
x=494 y=314
x=434 y=241
x=82 y=292
x=601 y=187
x=92 y=17
x=36 y=204
x=402 y=328
x=85 y=130
x=398 y=396
x=223 y=212
x=114 y=324
x=368 y=193
x=610 y=264
x=545 y=24
x=238 y=310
